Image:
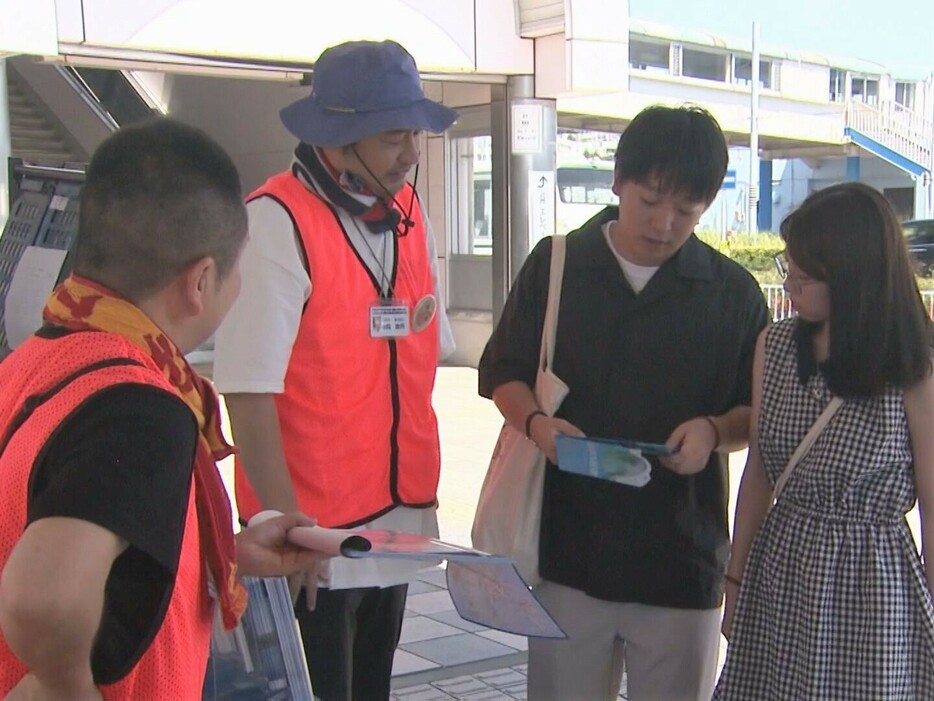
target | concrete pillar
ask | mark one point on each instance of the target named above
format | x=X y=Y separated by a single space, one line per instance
x=924 y=197
x=765 y=195
x=852 y=168
x=524 y=135
x=6 y=148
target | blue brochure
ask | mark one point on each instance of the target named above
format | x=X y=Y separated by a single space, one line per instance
x=615 y=460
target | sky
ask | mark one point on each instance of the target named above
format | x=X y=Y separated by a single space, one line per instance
x=898 y=34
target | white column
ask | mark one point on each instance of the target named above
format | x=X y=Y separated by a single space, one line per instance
x=752 y=211
x=524 y=139
x=6 y=148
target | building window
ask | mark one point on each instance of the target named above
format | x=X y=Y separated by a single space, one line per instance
x=742 y=72
x=837 y=85
x=703 y=64
x=864 y=89
x=654 y=57
x=905 y=95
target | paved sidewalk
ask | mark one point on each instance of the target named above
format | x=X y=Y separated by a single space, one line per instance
x=440 y=655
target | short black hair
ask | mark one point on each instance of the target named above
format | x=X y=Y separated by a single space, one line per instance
x=158 y=195
x=682 y=147
x=848 y=236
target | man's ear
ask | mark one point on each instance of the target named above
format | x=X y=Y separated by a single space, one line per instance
x=196 y=279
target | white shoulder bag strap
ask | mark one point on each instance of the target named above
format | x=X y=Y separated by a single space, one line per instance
x=556 y=277
x=806 y=443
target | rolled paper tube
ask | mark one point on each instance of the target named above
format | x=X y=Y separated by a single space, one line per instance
x=331 y=541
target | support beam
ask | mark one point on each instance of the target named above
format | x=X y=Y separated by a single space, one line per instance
x=852 y=168
x=765 y=195
x=752 y=223
x=924 y=197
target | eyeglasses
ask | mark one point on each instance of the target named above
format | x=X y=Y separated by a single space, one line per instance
x=793 y=282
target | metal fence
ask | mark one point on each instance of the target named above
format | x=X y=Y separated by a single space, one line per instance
x=779 y=302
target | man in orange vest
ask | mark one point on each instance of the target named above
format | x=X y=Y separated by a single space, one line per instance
x=328 y=359
x=116 y=543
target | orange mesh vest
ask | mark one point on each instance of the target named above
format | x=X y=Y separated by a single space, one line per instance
x=359 y=433
x=64 y=373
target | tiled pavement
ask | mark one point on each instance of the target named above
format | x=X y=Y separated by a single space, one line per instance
x=442 y=657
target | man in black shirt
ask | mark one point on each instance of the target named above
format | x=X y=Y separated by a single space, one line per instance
x=656 y=333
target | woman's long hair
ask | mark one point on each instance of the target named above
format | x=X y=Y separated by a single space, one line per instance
x=880 y=334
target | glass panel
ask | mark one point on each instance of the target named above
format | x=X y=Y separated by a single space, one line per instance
x=918 y=232
x=905 y=94
x=865 y=90
x=837 y=85
x=649 y=56
x=472 y=190
x=703 y=64
x=742 y=72
x=586 y=184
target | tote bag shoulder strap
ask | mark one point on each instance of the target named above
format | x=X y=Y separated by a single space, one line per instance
x=555 y=279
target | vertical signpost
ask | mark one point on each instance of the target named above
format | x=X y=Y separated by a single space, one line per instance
x=729 y=183
x=752 y=214
x=541 y=205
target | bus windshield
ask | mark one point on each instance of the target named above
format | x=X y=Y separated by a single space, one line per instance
x=586 y=184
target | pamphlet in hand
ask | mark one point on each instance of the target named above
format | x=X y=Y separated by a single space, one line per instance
x=262 y=658
x=615 y=460
x=486 y=589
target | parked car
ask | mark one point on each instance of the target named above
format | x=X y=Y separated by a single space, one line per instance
x=919 y=235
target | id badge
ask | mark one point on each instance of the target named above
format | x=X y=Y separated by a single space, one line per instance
x=389 y=318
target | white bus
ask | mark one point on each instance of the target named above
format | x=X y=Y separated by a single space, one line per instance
x=582 y=189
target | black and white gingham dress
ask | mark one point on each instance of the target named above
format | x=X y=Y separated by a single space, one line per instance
x=834 y=604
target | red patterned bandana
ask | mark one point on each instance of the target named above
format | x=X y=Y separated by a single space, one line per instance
x=83 y=305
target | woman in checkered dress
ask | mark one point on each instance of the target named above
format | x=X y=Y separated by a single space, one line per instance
x=827 y=598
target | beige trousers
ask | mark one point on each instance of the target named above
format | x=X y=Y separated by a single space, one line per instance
x=668 y=654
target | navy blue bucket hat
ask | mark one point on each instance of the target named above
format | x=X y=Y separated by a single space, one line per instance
x=362 y=88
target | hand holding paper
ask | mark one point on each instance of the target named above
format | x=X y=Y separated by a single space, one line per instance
x=695 y=439
x=486 y=589
x=615 y=460
x=264 y=549
x=545 y=430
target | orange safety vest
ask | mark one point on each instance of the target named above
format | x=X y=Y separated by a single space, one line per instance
x=42 y=383
x=358 y=429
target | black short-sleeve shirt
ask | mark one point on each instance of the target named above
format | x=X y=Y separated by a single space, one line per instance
x=123 y=460
x=637 y=366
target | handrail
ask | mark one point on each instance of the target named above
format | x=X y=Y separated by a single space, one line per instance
x=895 y=127
x=779 y=303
